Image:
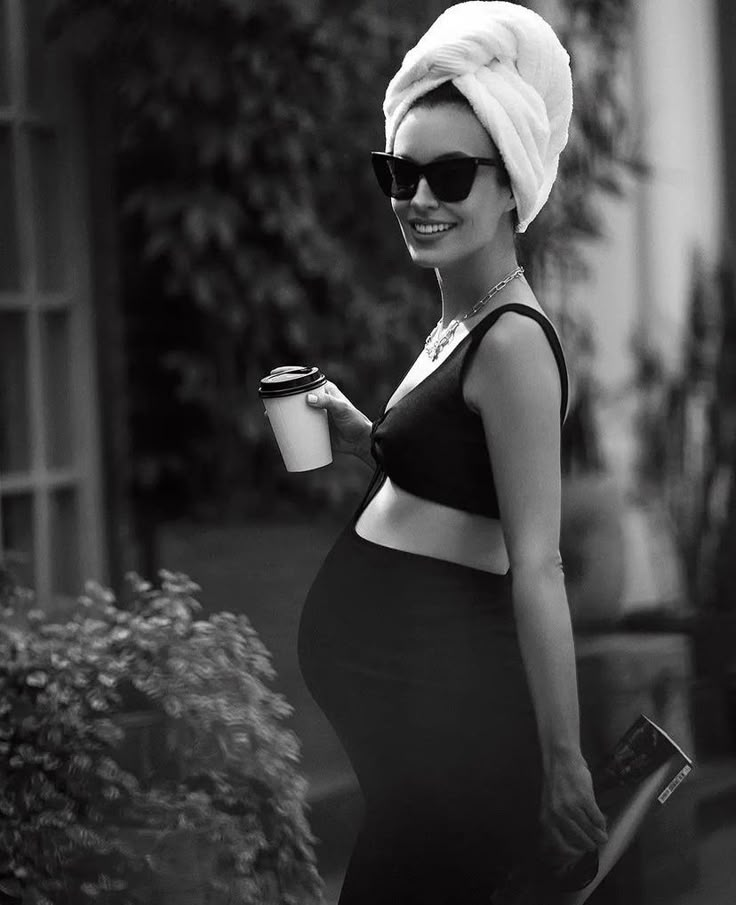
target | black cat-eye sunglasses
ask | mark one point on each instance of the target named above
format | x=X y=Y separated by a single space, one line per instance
x=450 y=179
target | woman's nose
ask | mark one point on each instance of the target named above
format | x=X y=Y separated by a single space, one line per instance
x=424 y=196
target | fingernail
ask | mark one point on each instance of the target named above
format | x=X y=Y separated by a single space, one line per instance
x=311 y=397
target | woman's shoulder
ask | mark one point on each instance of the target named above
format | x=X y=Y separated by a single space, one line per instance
x=515 y=353
x=514 y=323
x=515 y=341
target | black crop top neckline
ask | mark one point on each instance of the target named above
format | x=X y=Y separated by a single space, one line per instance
x=434 y=446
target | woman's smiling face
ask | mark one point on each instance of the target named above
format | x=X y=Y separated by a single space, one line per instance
x=444 y=234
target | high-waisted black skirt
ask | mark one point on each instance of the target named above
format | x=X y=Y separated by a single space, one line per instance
x=415 y=661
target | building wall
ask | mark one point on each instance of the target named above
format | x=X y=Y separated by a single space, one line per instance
x=641 y=274
x=681 y=207
x=726 y=35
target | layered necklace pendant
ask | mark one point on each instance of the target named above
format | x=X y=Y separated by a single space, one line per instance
x=439 y=338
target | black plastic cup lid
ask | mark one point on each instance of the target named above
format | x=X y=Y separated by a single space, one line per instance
x=289 y=380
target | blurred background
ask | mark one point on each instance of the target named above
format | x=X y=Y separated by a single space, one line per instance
x=186 y=202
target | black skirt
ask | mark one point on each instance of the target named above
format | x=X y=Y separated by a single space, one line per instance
x=415 y=661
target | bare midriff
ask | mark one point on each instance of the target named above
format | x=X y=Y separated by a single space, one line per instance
x=398 y=519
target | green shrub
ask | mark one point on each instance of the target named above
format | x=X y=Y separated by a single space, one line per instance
x=218 y=806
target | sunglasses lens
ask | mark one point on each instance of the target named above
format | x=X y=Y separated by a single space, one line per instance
x=451 y=180
x=397 y=178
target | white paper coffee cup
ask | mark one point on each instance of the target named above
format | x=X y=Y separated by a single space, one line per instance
x=302 y=432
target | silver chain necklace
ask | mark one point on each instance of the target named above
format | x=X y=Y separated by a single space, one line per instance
x=439 y=338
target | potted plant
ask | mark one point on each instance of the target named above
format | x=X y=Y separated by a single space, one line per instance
x=214 y=811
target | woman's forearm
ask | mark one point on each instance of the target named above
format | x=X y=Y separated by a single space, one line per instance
x=547 y=648
x=362 y=446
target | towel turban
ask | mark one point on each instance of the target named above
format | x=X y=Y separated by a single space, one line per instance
x=509 y=64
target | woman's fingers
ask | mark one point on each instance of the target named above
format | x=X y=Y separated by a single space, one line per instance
x=581 y=835
x=570 y=836
x=327 y=397
x=320 y=400
x=575 y=822
x=571 y=818
x=589 y=818
x=556 y=849
x=568 y=839
x=597 y=820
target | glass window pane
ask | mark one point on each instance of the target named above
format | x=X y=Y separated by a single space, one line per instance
x=65 y=577
x=57 y=355
x=17 y=538
x=4 y=55
x=9 y=257
x=39 y=84
x=15 y=453
x=46 y=180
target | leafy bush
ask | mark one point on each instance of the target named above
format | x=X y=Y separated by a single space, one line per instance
x=78 y=824
x=248 y=223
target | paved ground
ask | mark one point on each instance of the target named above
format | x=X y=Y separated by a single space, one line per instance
x=716 y=884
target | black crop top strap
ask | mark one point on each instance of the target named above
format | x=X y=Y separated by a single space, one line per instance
x=478 y=332
x=431 y=444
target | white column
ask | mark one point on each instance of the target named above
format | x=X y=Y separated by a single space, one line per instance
x=681 y=202
x=641 y=272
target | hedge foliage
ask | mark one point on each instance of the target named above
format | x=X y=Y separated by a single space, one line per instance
x=86 y=817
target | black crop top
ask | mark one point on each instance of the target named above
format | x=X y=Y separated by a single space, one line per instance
x=432 y=445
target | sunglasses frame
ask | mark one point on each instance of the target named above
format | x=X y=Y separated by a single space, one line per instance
x=426 y=171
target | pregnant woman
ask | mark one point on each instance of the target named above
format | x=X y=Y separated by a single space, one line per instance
x=436 y=636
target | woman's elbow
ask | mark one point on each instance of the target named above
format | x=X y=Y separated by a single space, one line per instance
x=541 y=565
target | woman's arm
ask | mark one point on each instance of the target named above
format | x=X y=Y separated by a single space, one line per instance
x=513 y=382
x=362 y=448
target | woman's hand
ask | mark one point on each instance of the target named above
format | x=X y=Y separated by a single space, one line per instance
x=350 y=429
x=572 y=822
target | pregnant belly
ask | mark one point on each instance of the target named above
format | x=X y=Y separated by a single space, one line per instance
x=398 y=519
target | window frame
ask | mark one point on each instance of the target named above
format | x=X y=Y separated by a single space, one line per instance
x=82 y=475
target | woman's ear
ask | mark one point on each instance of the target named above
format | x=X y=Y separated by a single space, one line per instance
x=513 y=216
x=510 y=202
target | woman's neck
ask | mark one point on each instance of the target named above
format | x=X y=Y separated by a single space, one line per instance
x=461 y=287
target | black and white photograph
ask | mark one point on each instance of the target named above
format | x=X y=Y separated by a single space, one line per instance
x=367 y=452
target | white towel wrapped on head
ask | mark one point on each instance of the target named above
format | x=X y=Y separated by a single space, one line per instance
x=508 y=62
